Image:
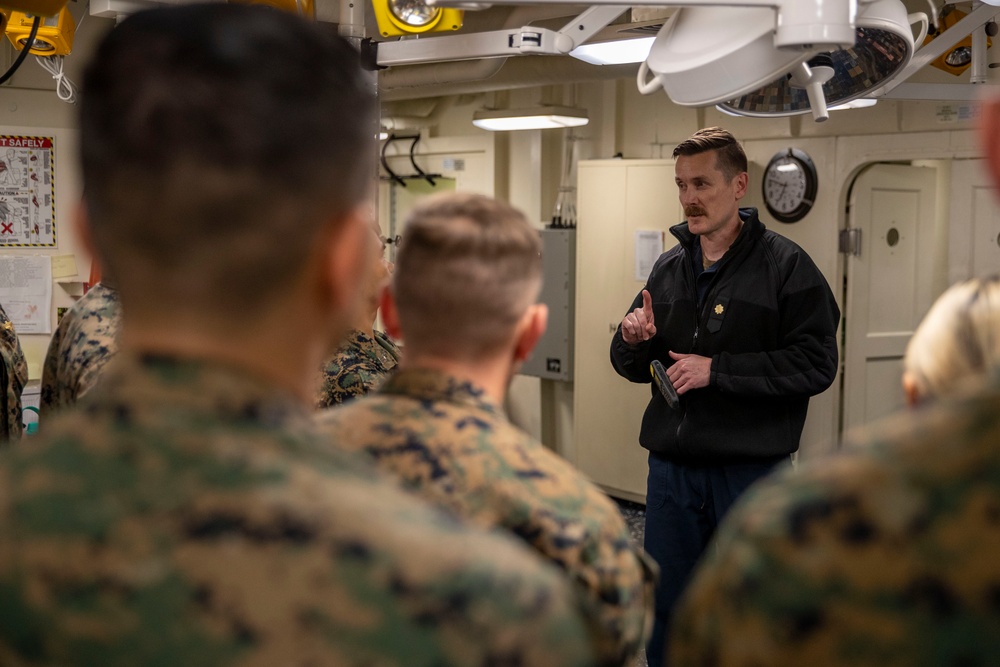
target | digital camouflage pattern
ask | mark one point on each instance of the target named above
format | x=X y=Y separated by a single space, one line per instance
x=85 y=340
x=16 y=369
x=450 y=443
x=360 y=365
x=184 y=514
x=883 y=557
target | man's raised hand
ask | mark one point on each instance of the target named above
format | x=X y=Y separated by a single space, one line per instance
x=638 y=325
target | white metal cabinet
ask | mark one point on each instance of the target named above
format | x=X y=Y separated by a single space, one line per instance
x=615 y=199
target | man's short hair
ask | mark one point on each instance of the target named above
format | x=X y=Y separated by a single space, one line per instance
x=468 y=268
x=217 y=141
x=729 y=156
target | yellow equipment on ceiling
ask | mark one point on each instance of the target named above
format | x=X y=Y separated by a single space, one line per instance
x=959 y=57
x=412 y=17
x=35 y=7
x=54 y=37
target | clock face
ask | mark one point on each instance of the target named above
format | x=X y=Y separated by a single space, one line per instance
x=790 y=185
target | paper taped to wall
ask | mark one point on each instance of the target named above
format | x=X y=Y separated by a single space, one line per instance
x=648 y=248
x=26 y=293
x=63 y=266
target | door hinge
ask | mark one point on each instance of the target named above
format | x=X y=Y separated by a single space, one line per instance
x=850 y=242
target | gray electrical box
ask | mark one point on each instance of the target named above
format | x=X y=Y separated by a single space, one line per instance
x=553 y=356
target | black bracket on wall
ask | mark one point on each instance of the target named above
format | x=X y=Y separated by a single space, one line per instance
x=402 y=178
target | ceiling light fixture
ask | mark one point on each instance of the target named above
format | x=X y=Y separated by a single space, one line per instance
x=883 y=46
x=408 y=17
x=729 y=56
x=957 y=59
x=859 y=103
x=706 y=55
x=616 y=52
x=537 y=118
x=54 y=36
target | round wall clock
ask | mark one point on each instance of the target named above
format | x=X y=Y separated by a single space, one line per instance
x=790 y=184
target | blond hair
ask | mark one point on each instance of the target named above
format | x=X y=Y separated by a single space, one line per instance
x=958 y=340
x=467 y=270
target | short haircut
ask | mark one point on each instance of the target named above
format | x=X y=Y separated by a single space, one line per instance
x=729 y=156
x=467 y=270
x=958 y=341
x=217 y=141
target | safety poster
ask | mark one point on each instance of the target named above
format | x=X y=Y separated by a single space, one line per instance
x=27 y=192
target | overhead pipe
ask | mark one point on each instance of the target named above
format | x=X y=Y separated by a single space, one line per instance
x=351 y=25
x=419 y=76
x=516 y=73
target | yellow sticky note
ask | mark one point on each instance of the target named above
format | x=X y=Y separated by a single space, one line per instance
x=63 y=266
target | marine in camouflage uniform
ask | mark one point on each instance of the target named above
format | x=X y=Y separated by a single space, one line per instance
x=16 y=370
x=884 y=556
x=185 y=514
x=360 y=365
x=449 y=442
x=85 y=340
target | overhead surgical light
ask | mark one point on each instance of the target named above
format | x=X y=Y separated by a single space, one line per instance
x=408 y=17
x=706 y=55
x=730 y=56
x=537 y=118
x=884 y=45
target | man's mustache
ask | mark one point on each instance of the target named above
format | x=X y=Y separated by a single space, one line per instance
x=693 y=211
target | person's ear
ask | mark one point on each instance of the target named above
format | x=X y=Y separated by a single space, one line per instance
x=390 y=315
x=911 y=389
x=529 y=330
x=742 y=179
x=346 y=261
x=81 y=225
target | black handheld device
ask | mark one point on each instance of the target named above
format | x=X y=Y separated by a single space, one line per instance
x=664 y=384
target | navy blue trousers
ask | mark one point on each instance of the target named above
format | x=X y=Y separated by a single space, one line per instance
x=684 y=505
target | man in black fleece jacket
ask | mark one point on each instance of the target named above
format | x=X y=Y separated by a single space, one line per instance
x=746 y=325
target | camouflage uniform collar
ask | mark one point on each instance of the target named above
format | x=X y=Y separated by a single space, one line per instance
x=387 y=344
x=359 y=344
x=430 y=385
x=223 y=390
x=359 y=341
x=358 y=337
